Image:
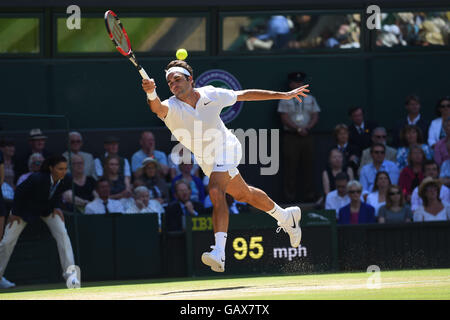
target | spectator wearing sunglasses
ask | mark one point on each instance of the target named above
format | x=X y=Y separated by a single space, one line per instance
x=76 y=143
x=34 y=165
x=379 y=135
x=356 y=212
x=379 y=163
x=396 y=210
x=436 y=130
x=411 y=136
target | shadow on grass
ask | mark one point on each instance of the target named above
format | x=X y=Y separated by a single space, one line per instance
x=206 y=290
x=128 y=282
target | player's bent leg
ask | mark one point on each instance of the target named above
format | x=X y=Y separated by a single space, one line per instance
x=288 y=219
x=217 y=186
x=255 y=197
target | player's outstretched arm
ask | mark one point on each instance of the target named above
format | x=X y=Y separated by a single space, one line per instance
x=156 y=106
x=258 y=95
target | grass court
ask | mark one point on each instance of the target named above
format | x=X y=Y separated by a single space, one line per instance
x=392 y=285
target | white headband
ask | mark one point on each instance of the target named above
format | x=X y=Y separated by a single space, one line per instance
x=177 y=69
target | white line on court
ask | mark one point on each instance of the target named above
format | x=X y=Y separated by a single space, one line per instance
x=208 y=293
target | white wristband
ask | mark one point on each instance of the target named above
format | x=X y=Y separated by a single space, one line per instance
x=152 y=96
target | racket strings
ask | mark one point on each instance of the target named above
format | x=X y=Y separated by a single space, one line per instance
x=117 y=33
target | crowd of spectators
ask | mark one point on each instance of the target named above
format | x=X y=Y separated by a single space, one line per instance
x=365 y=179
x=414 y=29
x=407 y=181
x=418 y=29
x=304 y=31
x=108 y=182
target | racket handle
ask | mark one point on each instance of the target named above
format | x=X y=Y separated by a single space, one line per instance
x=144 y=74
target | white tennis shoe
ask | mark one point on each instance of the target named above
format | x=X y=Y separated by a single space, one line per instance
x=5 y=284
x=292 y=225
x=215 y=259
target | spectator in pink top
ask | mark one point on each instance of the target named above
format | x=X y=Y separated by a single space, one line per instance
x=442 y=147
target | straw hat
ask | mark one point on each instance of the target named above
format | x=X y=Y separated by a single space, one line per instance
x=428 y=181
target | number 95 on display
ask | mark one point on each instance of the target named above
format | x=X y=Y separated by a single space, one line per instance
x=252 y=248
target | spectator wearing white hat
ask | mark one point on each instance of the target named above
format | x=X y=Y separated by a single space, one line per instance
x=37 y=141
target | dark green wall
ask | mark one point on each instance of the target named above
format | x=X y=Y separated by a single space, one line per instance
x=106 y=93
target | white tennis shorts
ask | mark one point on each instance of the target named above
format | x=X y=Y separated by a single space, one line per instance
x=226 y=160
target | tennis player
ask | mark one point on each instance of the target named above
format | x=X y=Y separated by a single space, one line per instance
x=193 y=116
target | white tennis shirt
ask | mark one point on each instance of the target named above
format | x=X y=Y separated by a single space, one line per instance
x=202 y=131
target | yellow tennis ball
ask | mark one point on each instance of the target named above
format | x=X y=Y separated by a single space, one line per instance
x=181 y=54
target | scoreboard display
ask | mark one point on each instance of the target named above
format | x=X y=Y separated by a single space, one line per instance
x=253 y=246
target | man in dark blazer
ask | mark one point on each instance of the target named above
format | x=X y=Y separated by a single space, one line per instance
x=40 y=196
x=360 y=130
x=413 y=117
x=181 y=207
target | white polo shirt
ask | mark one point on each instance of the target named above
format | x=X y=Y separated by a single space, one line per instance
x=96 y=206
x=334 y=201
x=202 y=131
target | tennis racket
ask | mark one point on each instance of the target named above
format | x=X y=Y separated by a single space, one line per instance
x=120 y=39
